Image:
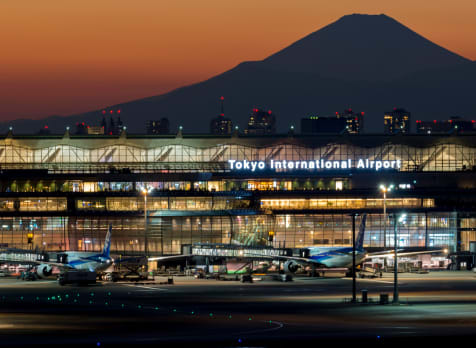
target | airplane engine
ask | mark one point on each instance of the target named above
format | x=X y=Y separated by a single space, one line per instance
x=44 y=271
x=291 y=266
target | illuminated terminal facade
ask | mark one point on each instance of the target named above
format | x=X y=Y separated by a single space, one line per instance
x=61 y=192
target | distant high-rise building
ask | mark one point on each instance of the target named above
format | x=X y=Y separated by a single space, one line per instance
x=397 y=121
x=319 y=124
x=81 y=128
x=453 y=125
x=115 y=127
x=156 y=127
x=104 y=125
x=221 y=124
x=95 y=130
x=261 y=122
x=44 y=131
x=354 y=120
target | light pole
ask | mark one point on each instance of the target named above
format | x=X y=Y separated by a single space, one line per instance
x=145 y=192
x=354 y=288
x=384 y=190
x=395 y=259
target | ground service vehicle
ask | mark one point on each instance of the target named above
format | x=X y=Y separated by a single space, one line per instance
x=77 y=277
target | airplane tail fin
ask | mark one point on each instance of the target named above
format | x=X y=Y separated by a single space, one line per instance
x=359 y=243
x=107 y=242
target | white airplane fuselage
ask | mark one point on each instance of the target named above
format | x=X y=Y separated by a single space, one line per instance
x=94 y=262
x=335 y=257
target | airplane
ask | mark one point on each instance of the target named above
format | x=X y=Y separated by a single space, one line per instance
x=326 y=257
x=341 y=257
x=329 y=257
x=80 y=260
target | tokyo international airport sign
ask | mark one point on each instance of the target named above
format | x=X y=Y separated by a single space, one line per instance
x=321 y=164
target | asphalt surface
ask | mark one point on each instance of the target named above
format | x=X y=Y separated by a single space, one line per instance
x=433 y=307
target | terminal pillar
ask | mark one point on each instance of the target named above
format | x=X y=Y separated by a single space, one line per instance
x=459 y=245
x=426 y=229
x=354 y=287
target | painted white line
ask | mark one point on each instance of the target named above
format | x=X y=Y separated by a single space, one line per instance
x=22 y=283
x=149 y=288
x=379 y=281
x=372 y=280
x=277 y=325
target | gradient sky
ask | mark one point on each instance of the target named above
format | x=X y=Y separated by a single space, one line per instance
x=71 y=56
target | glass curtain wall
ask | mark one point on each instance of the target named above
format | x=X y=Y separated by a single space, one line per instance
x=167 y=234
x=109 y=155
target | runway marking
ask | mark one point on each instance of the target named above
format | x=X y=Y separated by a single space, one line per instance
x=148 y=288
x=28 y=283
x=278 y=326
x=375 y=281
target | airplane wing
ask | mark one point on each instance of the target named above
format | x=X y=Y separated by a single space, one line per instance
x=390 y=253
x=294 y=258
x=130 y=259
x=165 y=258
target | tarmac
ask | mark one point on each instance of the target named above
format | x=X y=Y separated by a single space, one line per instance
x=434 y=307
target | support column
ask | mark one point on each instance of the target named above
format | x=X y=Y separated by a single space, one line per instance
x=459 y=245
x=354 y=285
x=426 y=229
x=395 y=260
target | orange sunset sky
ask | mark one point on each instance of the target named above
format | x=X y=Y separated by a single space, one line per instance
x=70 y=56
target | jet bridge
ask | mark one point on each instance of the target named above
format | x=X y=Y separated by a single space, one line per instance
x=234 y=251
x=22 y=256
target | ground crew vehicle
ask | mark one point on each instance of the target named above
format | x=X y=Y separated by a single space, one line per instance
x=77 y=277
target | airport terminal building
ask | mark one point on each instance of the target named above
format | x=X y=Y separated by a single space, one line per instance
x=60 y=192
